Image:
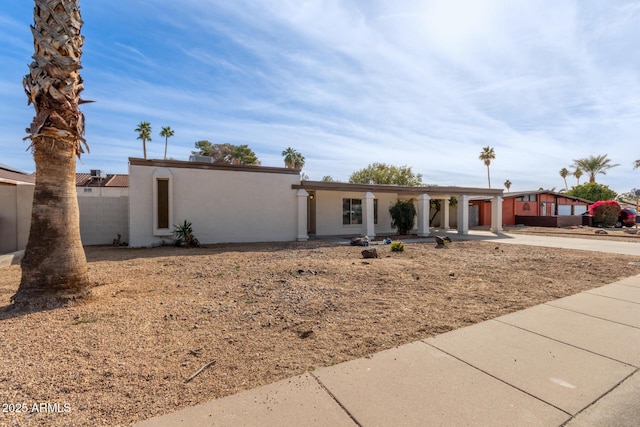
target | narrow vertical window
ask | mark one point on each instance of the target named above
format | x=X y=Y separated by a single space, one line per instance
x=163 y=203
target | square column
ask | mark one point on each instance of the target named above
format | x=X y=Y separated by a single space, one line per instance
x=301 y=235
x=368 y=219
x=496 y=214
x=444 y=224
x=424 y=203
x=463 y=214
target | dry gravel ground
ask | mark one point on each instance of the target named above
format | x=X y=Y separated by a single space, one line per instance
x=263 y=312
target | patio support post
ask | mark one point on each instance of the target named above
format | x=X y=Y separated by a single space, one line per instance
x=496 y=214
x=368 y=219
x=444 y=224
x=463 y=214
x=302 y=195
x=423 y=214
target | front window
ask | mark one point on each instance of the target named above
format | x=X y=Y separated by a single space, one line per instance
x=351 y=211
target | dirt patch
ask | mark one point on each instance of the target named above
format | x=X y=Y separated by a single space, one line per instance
x=263 y=312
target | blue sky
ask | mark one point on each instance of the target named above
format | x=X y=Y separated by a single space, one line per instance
x=420 y=83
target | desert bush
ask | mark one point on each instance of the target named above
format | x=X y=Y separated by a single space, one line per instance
x=605 y=212
x=183 y=234
x=397 y=246
x=403 y=214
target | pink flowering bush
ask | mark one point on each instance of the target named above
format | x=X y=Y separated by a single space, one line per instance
x=605 y=212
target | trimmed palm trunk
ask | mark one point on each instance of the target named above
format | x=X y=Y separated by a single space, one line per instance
x=54 y=267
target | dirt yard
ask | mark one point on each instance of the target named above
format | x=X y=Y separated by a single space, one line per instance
x=263 y=312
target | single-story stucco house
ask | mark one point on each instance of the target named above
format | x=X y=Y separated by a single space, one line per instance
x=242 y=203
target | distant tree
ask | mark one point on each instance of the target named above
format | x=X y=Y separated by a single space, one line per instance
x=636 y=164
x=592 y=191
x=564 y=173
x=594 y=165
x=243 y=155
x=577 y=173
x=293 y=159
x=328 y=178
x=507 y=185
x=167 y=132
x=486 y=155
x=144 y=133
x=304 y=176
x=382 y=173
x=628 y=196
x=403 y=214
x=226 y=153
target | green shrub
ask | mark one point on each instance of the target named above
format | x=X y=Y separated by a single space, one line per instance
x=183 y=234
x=403 y=215
x=397 y=246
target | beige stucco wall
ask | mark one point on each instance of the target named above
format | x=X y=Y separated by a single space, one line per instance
x=222 y=205
x=329 y=213
x=15 y=216
x=103 y=218
x=102 y=191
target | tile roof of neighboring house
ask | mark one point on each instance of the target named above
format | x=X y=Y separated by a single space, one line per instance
x=117 y=180
x=111 y=180
x=11 y=174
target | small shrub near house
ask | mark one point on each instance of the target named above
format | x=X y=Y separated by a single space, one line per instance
x=605 y=212
x=183 y=234
x=403 y=214
x=397 y=246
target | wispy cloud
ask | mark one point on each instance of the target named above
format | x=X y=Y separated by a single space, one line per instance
x=426 y=84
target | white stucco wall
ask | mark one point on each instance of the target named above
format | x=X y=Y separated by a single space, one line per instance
x=103 y=218
x=329 y=213
x=15 y=216
x=222 y=205
x=102 y=191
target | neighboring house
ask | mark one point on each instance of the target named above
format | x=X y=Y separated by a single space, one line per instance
x=103 y=200
x=542 y=208
x=235 y=203
x=16 y=197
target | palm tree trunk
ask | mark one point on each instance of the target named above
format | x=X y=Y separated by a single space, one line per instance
x=166 y=142
x=488 y=176
x=54 y=267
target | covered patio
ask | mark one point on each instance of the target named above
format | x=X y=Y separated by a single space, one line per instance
x=309 y=202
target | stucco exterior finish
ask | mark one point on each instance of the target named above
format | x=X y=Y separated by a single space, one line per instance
x=15 y=215
x=240 y=204
x=329 y=213
x=103 y=218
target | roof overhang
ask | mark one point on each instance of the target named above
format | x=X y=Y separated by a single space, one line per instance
x=211 y=166
x=431 y=190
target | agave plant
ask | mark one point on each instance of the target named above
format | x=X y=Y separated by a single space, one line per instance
x=183 y=234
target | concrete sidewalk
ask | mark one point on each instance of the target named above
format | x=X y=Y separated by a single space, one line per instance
x=575 y=360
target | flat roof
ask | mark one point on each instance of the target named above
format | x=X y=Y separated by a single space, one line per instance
x=211 y=166
x=399 y=189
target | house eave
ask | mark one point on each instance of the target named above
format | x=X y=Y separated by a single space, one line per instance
x=432 y=190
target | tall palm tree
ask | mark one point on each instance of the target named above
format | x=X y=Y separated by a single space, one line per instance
x=293 y=159
x=507 y=185
x=167 y=132
x=144 y=133
x=577 y=173
x=564 y=173
x=486 y=156
x=54 y=267
x=594 y=165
